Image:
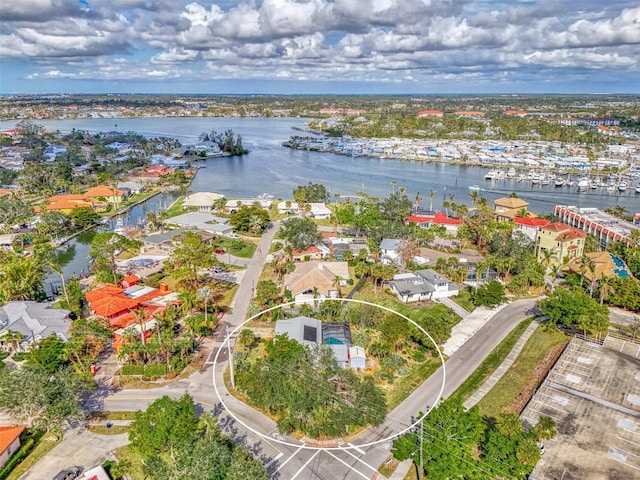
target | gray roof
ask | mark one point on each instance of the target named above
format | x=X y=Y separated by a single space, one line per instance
x=160 y=238
x=34 y=319
x=305 y=330
x=389 y=244
x=194 y=218
x=408 y=287
x=432 y=276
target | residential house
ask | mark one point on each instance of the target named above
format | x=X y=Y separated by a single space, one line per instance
x=66 y=203
x=530 y=225
x=9 y=442
x=110 y=194
x=311 y=332
x=202 y=221
x=202 y=201
x=312 y=252
x=6 y=241
x=118 y=304
x=288 y=207
x=233 y=206
x=319 y=211
x=430 y=114
x=52 y=151
x=422 y=285
x=31 y=321
x=134 y=188
x=561 y=241
x=313 y=282
x=390 y=251
x=121 y=147
x=135 y=330
x=152 y=175
x=438 y=219
x=163 y=241
x=507 y=208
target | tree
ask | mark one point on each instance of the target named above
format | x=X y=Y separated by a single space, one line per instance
x=267 y=293
x=46 y=401
x=310 y=193
x=300 y=232
x=105 y=248
x=48 y=354
x=545 y=429
x=573 y=307
x=253 y=219
x=164 y=425
x=7 y=176
x=14 y=209
x=490 y=294
x=21 y=278
x=192 y=255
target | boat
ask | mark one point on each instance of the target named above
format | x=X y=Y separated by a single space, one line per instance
x=638 y=188
x=474 y=188
x=119 y=228
x=545 y=180
x=559 y=182
x=491 y=175
x=583 y=184
x=511 y=172
x=611 y=187
x=622 y=186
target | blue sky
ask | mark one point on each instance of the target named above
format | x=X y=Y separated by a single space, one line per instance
x=319 y=46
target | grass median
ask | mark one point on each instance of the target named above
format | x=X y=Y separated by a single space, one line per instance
x=491 y=363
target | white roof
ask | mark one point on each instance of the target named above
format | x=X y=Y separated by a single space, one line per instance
x=200 y=199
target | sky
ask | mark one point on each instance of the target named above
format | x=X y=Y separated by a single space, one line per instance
x=319 y=46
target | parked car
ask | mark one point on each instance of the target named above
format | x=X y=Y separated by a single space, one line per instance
x=70 y=473
x=220 y=251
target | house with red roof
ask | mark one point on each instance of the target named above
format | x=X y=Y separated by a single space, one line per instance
x=112 y=195
x=9 y=442
x=312 y=252
x=515 y=113
x=530 y=225
x=430 y=113
x=437 y=218
x=562 y=241
x=119 y=305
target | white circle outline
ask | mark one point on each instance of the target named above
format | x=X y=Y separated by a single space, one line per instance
x=227 y=341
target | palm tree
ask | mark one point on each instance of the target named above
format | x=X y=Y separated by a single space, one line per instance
x=402 y=191
x=14 y=339
x=546 y=428
x=393 y=186
x=605 y=288
x=432 y=194
x=187 y=301
x=140 y=317
x=204 y=294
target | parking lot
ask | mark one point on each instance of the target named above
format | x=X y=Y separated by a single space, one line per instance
x=593 y=394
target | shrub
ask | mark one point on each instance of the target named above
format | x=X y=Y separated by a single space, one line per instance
x=132 y=370
x=4 y=355
x=19 y=356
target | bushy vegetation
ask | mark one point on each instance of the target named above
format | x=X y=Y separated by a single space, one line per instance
x=307 y=391
x=172 y=440
x=460 y=443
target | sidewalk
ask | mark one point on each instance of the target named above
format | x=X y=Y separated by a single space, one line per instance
x=502 y=369
x=468 y=326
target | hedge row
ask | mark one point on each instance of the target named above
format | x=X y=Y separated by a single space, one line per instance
x=17 y=458
x=144 y=370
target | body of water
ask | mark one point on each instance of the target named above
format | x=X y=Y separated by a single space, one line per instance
x=271 y=168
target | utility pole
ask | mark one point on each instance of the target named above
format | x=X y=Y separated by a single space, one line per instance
x=420 y=468
x=230 y=353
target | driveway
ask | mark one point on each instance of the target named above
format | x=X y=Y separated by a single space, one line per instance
x=78 y=447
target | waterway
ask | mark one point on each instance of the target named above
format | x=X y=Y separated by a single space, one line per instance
x=271 y=168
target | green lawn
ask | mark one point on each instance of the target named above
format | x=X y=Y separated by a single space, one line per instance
x=489 y=365
x=46 y=443
x=509 y=386
x=175 y=209
x=114 y=415
x=130 y=454
x=404 y=385
x=464 y=300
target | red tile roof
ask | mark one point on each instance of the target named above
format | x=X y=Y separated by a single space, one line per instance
x=439 y=218
x=531 y=221
x=565 y=232
x=113 y=304
x=102 y=292
x=8 y=435
x=103 y=191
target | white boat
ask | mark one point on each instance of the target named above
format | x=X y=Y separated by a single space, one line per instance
x=119 y=228
x=638 y=188
x=622 y=186
x=583 y=184
x=474 y=188
x=511 y=172
x=559 y=182
x=491 y=175
x=611 y=187
x=545 y=181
